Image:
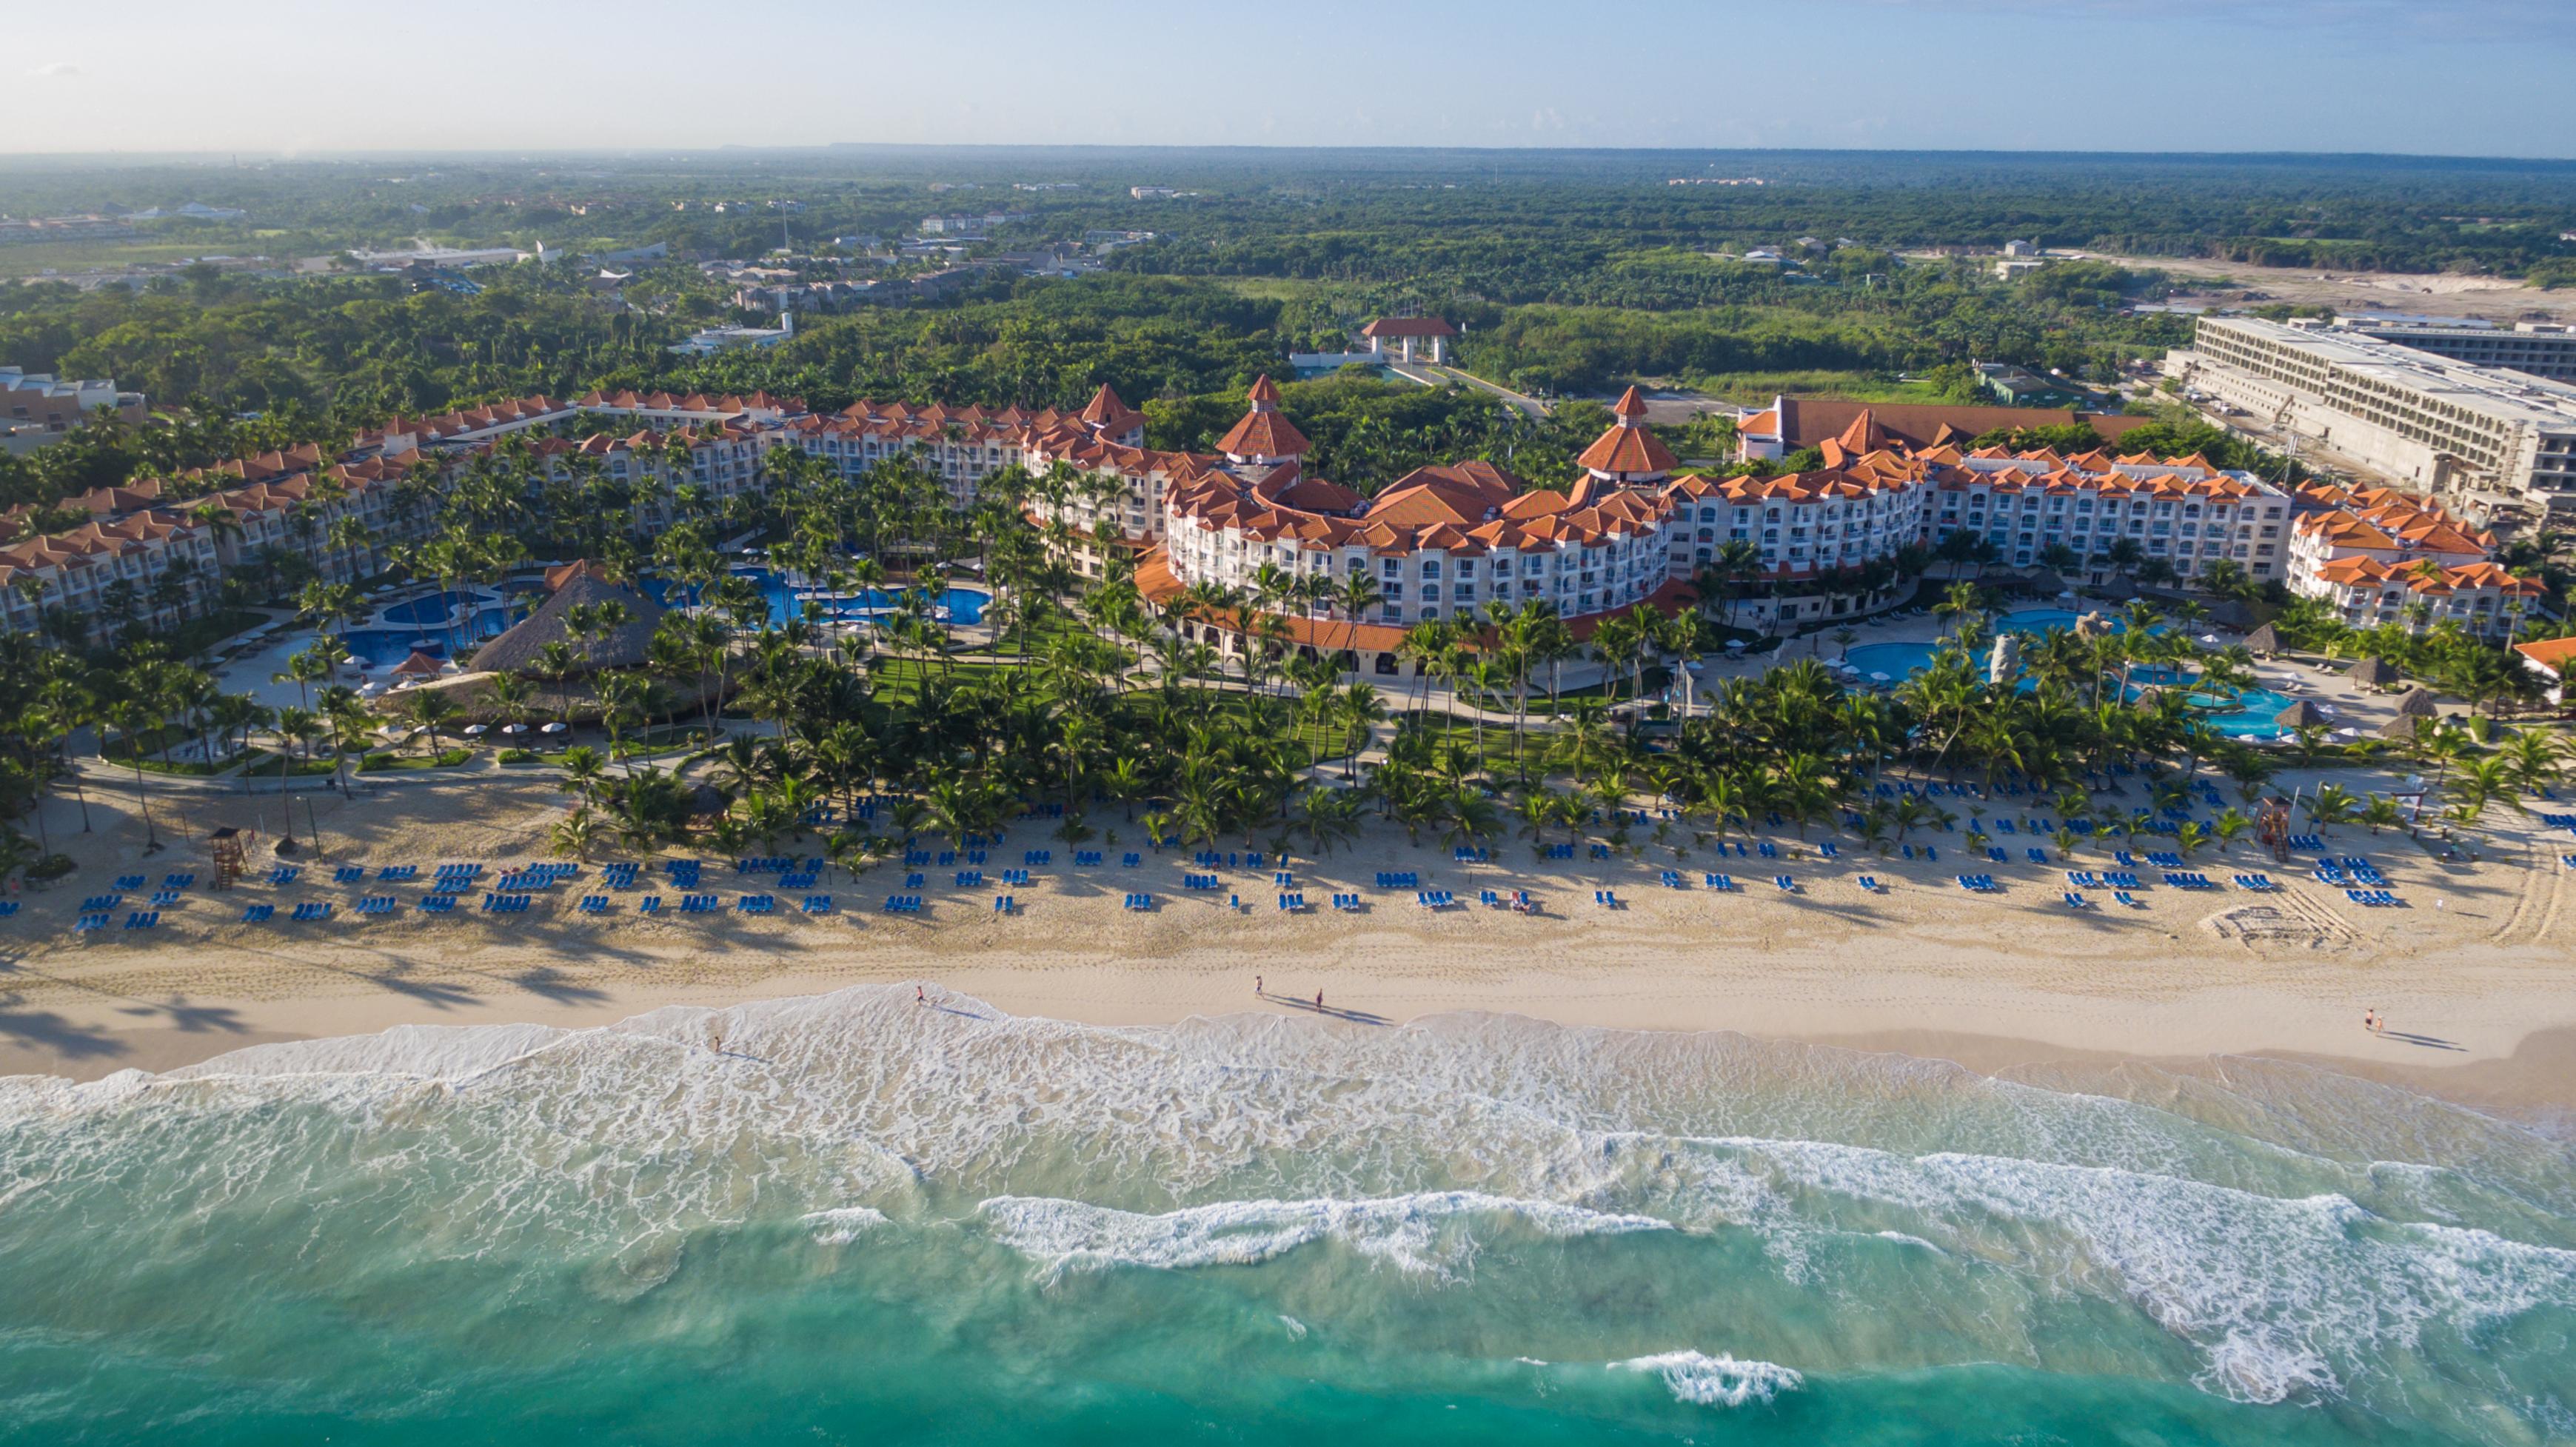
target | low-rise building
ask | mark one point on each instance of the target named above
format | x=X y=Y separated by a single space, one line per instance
x=38 y=408
x=1405 y=332
x=2381 y=556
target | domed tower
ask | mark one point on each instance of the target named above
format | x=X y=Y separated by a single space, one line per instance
x=1112 y=420
x=1264 y=438
x=1627 y=455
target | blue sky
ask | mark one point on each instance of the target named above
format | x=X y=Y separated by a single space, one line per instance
x=2488 y=77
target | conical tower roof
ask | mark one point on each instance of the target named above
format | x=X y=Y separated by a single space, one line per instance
x=1264 y=435
x=1627 y=452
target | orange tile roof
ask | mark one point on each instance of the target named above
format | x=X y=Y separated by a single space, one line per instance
x=1263 y=432
x=2549 y=653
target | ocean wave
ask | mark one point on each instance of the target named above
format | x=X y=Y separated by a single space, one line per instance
x=841 y=1225
x=1718 y=1381
x=1430 y=1233
x=2295 y=1240
x=2283 y=1296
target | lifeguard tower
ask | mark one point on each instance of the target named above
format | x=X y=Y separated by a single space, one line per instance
x=228 y=849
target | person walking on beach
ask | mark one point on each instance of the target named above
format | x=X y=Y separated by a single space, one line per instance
x=2370 y=1021
x=919 y=996
x=1319 y=999
x=1257 y=991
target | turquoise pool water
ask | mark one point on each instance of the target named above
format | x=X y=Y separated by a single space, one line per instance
x=1894 y=660
x=964 y=605
x=435 y=608
x=1899 y=660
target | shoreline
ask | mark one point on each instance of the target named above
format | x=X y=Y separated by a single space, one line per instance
x=2495 y=1053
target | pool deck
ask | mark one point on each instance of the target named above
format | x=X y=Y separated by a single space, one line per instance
x=2345 y=705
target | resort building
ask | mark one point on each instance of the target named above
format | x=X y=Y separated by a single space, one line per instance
x=247 y=511
x=1097 y=489
x=102 y=568
x=2442 y=426
x=38 y=408
x=1792 y=424
x=2380 y=556
x=2543 y=349
x=1444 y=542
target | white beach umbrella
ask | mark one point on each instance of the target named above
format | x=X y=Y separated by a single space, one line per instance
x=1880 y=678
x=552 y=728
x=474 y=731
x=515 y=729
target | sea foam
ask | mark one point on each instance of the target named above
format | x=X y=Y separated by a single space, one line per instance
x=1718 y=1381
x=1431 y=1233
x=2297 y=1242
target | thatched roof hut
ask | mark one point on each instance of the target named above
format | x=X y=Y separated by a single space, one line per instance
x=2401 y=728
x=2418 y=703
x=2301 y=715
x=2265 y=640
x=2372 y=673
x=419 y=665
x=576 y=585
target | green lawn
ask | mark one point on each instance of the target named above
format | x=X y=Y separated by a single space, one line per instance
x=180 y=768
x=1757 y=388
x=399 y=763
x=264 y=764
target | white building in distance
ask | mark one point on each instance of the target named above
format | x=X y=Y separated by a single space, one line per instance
x=2440 y=426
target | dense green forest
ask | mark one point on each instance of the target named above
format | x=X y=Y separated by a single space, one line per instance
x=1573 y=273
x=1396 y=216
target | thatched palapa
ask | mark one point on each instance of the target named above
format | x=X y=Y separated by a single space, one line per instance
x=519 y=650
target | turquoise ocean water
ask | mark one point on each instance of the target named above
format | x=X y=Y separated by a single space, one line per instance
x=855 y=1220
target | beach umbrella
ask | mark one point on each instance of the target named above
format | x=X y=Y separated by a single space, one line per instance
x=553 y=728
x=514 y=730
x=2265 y=639
x=2418 y=703
x=2400 y=727
x=1880 y=678
x=474 y=731
x=2300 y=715
x=2372 y=673
x=419 y=665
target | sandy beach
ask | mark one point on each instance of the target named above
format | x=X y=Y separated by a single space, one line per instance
x=2482 y=1008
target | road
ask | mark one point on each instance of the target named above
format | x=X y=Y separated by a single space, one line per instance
x=1431 y=376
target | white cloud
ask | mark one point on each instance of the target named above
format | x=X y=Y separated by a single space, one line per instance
x=55 y=68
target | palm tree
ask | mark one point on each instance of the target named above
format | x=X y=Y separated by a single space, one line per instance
x=431 y=709
x=2333 y=804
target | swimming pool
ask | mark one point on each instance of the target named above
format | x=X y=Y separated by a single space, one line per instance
x=1900 y=660
x=1889 y=662
x=435 y=608
x=2249 y=715
x=963 y=604
x=385 y=647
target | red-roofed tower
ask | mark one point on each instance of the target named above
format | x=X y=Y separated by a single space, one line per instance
x=1626 y=455
x=1263 y=438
